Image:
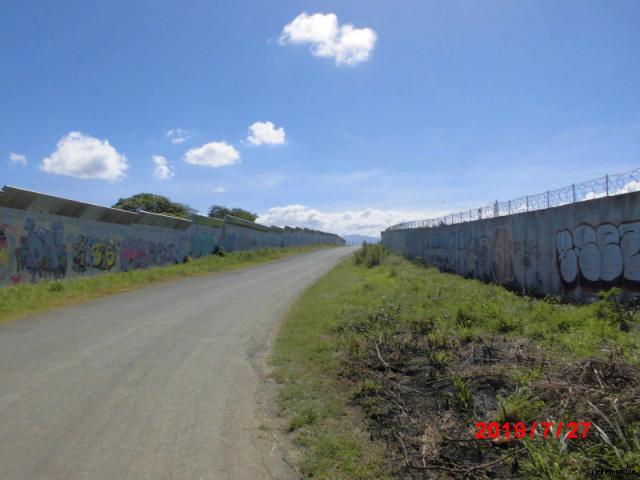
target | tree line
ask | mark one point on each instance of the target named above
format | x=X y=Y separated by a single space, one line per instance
x=150 y=202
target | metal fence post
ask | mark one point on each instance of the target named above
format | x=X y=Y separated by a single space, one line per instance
x=573 y=191
x=606 y=184
x=527 y=203
x=548 y=203
x=509 y=207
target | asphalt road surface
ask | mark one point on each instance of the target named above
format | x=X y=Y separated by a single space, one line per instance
x=160 y=383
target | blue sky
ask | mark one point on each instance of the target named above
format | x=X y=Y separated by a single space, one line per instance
x=381 y=112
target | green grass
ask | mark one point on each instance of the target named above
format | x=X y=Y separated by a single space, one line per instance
x=26 y=299
x=306 y=364
x=469 y=308
x=361 y=298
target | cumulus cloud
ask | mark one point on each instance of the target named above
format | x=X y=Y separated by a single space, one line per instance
x=177 y=136
x=365 y=222
x=17 y=158
x=632 y=186
x=163 y=170
x=345 y=43
x=214 y=154
x=82 y=156
x=265 y=133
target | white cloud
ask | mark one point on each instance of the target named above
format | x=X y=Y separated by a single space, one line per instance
x=177 y=136
x=163 y=170
x=365 y=222
x=82 y=156
x=347 y=44
x=632 y=186
x=214 y=154
x=219 y=190
x=594 y=195
x=266 y=133
x=17 y=158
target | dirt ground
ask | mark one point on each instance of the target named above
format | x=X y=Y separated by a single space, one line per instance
x=423 y=394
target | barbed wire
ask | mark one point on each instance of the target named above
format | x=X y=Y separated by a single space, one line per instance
x=600 y=187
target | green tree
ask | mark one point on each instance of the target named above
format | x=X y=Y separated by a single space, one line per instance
x=218 y=211
x=150 y=202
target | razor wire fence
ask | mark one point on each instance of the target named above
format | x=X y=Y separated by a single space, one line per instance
x=608 y=185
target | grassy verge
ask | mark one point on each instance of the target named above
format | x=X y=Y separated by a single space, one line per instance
x=26 y=299
x=307 y=365
x=387 y=366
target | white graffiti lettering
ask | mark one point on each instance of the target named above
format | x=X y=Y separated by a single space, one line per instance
x=606 y=253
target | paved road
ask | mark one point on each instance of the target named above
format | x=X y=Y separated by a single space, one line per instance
x=160 y=383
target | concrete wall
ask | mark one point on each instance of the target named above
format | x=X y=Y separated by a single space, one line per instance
x=574 y=250
x=36 y=246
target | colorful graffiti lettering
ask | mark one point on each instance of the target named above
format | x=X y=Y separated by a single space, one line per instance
x=606 y=254
x=92 y=253
x=42 y=252
x=136 y=253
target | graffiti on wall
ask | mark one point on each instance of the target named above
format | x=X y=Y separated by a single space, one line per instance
x=137 y=253
x=444 y=250
x=4 y=250
x=239 y=240
x=502 y=255
x=90 y=252
x=201 y=244
x=606 y=254
x=41 y=252
x=489 y=258
x=38 y=246
x=478 y=258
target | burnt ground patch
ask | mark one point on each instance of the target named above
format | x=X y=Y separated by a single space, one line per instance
x=423 y=390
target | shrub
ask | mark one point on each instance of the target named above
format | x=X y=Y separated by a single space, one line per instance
x=610 y=308
x=370 y=255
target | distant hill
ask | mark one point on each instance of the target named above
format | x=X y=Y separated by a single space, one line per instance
x=358 y=239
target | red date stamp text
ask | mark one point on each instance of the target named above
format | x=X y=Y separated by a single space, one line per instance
x=520 y=430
